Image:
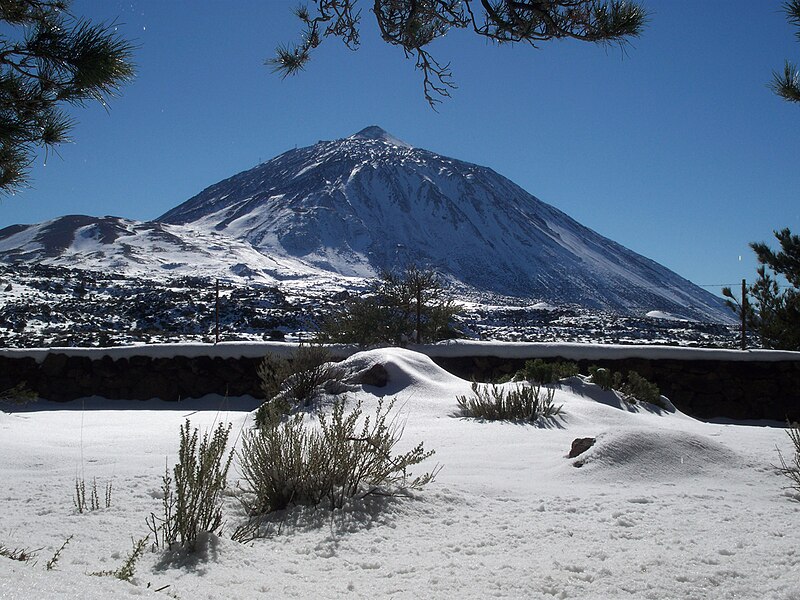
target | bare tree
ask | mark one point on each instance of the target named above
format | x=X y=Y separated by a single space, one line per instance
x=411 y=305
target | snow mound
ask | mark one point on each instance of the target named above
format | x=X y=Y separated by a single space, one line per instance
x=409 y=372
x=544 y=306
x=657 y=455
x=582 y=387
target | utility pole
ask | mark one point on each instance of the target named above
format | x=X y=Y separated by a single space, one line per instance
x=216 y=314
x=419 y=309
x=744 y=314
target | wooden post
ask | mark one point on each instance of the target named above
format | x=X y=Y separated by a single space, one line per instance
x=744 y=314
x=216 y=314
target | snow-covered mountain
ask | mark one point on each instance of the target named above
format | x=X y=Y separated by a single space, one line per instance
x=371 y=202
x=352 y=207
x=149 y=248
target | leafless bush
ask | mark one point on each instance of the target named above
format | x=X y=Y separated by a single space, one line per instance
x=51 y=564
x=791 y=468
x=20 y=554
x=93 y=503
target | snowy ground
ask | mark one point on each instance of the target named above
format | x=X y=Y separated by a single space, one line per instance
x=664 y=507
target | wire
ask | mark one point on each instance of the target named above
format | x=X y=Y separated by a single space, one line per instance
x=733 y=285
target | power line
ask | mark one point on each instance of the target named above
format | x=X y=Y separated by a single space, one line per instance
x=731 y=285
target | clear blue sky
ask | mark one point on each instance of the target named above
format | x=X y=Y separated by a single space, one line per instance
x=675 y=148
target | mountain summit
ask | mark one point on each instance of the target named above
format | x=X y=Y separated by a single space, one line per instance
x=373 y=132
x=370 y=202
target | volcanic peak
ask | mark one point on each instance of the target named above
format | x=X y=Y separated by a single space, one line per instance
x=373 y=132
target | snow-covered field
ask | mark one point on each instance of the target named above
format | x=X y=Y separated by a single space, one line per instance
x=664 y=507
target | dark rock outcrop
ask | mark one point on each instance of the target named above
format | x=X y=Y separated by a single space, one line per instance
x=580 y=445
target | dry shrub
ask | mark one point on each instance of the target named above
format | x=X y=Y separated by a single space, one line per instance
x=293 y=463
x=289 y=384
x=200 y=476
x=20 y=554
x=526 y=403
x=791 y=468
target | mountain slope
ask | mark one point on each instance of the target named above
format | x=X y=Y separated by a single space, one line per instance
x=370 y=202
x=136 y=248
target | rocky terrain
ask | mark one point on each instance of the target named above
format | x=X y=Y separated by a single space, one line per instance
x=43 y=306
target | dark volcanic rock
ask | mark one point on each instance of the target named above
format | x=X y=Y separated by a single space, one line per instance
x=376 y=376
x=580 y=445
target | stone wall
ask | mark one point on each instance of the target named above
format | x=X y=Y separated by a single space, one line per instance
x=736 y=389
x=60 y=377
x=702 y=388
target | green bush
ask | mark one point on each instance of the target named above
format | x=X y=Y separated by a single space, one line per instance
x=294 y=383
x=18 y=395
x=509 y=377
x=605 y=378
x=637 y=388
x=633 y=387
x=127 y=570
x=524 y=403
x=200 y=477
x=791 y=469
x=363 y=321
x=541 y=372
x=295 y=464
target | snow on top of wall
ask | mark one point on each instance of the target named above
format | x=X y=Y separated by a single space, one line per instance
x=581 y=351
x=188 y=350
x=452 y=349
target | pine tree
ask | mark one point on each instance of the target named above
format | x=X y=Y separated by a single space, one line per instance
x=787 y=83
x=773 y=310
x=413 y=24
x=48 y=59
x=418 y=299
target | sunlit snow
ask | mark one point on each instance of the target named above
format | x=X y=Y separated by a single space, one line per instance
x=663 y=506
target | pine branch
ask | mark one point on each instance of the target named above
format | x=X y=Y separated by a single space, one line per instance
x=787 y=84
x=58 y=59
x=414 y=24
